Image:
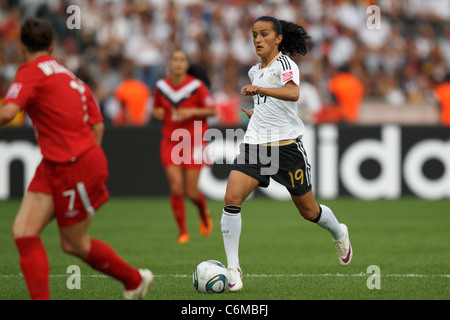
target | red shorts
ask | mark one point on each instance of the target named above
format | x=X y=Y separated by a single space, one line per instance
x=189 y=154
x=78 y=188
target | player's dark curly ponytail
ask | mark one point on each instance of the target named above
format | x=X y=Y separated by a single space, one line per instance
x=295 y=39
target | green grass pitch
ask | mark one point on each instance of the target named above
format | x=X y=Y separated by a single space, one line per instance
x=283 y=256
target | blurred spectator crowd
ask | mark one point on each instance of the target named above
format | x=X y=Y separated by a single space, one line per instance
x=401 y=62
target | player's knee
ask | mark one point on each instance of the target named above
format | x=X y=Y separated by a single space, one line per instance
x=18 y=230
x=176 y=187
x=15 y=231
x=233 y=199
x=68 y=247
x=76 y=248
x=192 y=193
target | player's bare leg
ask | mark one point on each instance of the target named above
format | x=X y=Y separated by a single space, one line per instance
x=307 y=205
x=239 y=187
x=325 y=218
x=194 y=194
x=76 y=241
x=175 y=177
x=35 y=212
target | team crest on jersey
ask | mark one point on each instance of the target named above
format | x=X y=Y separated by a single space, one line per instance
x=14 y=91
x=272 y=78
x=287 y=76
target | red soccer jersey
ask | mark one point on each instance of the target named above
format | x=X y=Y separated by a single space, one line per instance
x=192 y=93
x=61 y=107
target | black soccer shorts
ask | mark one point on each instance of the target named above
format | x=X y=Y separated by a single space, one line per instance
x=286 y=164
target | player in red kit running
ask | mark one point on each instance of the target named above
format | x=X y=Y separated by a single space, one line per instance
x=183 y=103
x=69 y=183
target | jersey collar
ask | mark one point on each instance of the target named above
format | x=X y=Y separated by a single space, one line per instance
x=276 y=57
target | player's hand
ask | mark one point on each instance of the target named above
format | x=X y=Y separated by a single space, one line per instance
x=248 y=112
x=158 y=113
x=250 y=90
x=186 y=113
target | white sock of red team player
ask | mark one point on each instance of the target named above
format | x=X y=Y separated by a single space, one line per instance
x=231 y=224
x=327 y=220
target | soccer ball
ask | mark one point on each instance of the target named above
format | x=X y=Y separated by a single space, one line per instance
x=210 y=276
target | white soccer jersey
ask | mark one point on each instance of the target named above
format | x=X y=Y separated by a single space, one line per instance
x=274 y=119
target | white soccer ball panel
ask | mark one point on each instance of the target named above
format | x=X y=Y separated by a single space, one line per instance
x=210 y=276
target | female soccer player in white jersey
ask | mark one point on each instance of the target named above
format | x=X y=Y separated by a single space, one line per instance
x=274 y=133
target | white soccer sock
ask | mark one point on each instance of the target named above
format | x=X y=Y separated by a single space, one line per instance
x=231 y=224
x=328 y=221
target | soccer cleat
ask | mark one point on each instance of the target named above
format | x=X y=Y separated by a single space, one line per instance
x=235 y=279
x=183 y=238
x=140 y=292
x=206 y=227
x=344 y=248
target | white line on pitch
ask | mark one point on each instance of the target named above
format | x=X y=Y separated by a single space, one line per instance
x=251 y=275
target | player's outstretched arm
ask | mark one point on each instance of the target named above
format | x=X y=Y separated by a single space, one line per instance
x=289 y=92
